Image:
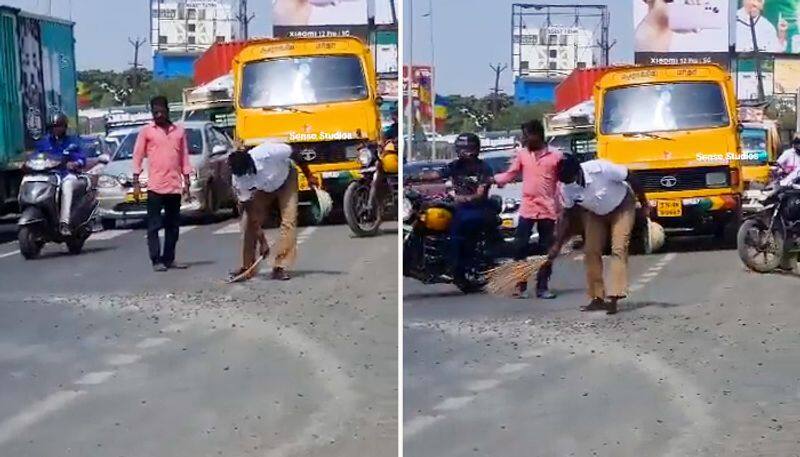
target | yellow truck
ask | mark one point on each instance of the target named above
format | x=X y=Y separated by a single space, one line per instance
x=676 y=129
x=318 y=94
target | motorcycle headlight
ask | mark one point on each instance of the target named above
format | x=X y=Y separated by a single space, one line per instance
x=717 y=179
x=365 y=156
x=510 y=204
x=107 y=182
x=407 y=209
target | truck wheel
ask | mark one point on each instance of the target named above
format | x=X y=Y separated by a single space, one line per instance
x=29 y=246
x=108 y=224
x=311 y=215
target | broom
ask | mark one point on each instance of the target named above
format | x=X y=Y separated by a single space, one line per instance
x=503 y=280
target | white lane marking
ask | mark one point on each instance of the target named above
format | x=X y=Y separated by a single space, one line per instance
x=483 y=384
x=229 y=229
x=418 y=424
x=13 y=426
x=106 y=235
x=123 y=359
x=636 y=287
x=8 y=254
x=152 y=342
x=510 y=368
x=453 y=403
x=305 y=234
x=669 y=257
x=94 y=378
x=181 y=230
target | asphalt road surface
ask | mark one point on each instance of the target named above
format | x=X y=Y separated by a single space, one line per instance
x=702 y=360
x=100 y=356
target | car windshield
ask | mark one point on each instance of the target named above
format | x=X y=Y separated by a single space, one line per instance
x=754 y=141
x=302 y=81
x=500 y=164
x=92 y=147
x=423 y=171
x=125 y=150
x=663 y=108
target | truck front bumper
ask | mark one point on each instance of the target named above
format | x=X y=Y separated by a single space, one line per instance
x=697 y=215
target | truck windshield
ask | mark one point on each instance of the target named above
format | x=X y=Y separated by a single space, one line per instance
x=663 y=108
x=302 y=81
x=754 y=141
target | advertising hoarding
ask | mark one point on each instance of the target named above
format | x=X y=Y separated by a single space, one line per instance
x=747 y=79
x=775 y=26
x=787 y=76
x=681 y=31
x=319 y=18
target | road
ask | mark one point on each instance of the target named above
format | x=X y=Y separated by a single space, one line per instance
x=703 y=360
x=100 y=356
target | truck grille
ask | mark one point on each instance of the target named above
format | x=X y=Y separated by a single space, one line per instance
x=329 y=152
x=683 y=179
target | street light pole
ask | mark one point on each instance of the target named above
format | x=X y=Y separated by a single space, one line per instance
x=433 y=84
x=410 y=77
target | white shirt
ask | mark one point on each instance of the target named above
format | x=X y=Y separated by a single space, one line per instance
x=789 y=161
x=766 y=34
x=605 y=187
x=273 y=163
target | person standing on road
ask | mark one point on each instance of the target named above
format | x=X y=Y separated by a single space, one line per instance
x=606 y=195
x=538 y=165
x=471 y=178
x=262 y=175
x=164 y=146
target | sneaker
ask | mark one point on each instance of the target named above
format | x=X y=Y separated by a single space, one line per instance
x=159 y=268
x=64 y=229
x=545 y=294
x=597 y=304
x=280 y=274
x=177 y=266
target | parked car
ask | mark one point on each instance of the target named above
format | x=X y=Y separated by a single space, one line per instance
x=98 y=153
x=210 y=187
x=426 y=177
x=511 y=193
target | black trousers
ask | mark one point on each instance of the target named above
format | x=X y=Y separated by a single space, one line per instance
x=171 y=205
x=546 y=229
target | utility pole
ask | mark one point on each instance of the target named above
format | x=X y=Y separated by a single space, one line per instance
x=244 y=18
x=757 y=58
x=496 y=91
x=137 y=43
x=410 y=79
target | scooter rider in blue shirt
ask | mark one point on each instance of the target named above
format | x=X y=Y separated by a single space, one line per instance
x=67 y=148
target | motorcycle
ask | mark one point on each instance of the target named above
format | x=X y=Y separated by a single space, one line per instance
x=40 y=207
x=770 y=237
x=372 y=198
x=426 y=242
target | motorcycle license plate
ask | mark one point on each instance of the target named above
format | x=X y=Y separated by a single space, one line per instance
x=302 y=182
x=508 y=223
x=669 y=208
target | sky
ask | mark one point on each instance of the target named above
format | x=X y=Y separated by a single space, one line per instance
x=102 y=28
x=469 y=35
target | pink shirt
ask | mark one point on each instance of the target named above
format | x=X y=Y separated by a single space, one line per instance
x=167 y=157
x=539 y=182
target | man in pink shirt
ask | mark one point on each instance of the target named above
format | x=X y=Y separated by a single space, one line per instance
x=163 y=144
x=538 y=165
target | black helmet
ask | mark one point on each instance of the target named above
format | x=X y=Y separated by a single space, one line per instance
x=59 y=119
x=468 y=143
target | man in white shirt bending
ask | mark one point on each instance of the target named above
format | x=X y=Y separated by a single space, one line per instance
x=262 y=175
x=605 y=194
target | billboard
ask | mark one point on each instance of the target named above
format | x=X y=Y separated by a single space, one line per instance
x=681 y=31
x=787 y=76
x=773 y=25
x=747 y=79
x=319 y=18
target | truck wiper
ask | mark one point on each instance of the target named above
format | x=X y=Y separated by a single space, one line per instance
x=285 y=108
x=649 y=135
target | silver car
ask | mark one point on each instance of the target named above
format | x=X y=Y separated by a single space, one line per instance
x=210 y=185
x=511 y=193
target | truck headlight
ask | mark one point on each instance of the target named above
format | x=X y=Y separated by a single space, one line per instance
x=365 y=156
x=717 y=179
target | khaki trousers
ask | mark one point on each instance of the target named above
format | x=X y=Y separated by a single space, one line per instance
x=254 y=215
x=619 y=224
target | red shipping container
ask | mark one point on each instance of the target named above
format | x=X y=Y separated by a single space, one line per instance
x=577 y=87
x=216 y=61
